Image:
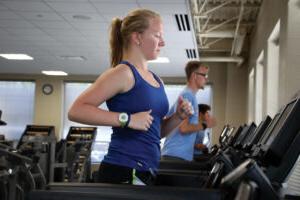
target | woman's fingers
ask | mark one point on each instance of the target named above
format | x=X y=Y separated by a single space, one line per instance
x=141 y=121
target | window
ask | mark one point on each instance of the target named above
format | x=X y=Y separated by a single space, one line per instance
x=259 y=88
x=17 y=105
x=251 y=96
x=203 y=96
x=73 y=90
x=273 y=71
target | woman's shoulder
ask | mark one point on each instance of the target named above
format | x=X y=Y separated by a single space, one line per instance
x=121 y=71
x=121 y=76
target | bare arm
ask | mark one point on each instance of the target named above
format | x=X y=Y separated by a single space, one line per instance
x=86 y=107
x=169 y=124
x=187 y=128
x=200 y=146
x=183 y=110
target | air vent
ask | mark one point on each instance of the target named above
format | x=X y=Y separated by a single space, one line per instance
x=191 y=53
x=182 y=21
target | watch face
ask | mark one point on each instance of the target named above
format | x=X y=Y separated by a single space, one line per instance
x=123 y=117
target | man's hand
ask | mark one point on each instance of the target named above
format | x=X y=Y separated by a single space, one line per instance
x=184 y=108
x=201 y=147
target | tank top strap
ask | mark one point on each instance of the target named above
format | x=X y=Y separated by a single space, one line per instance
x=133 y=69
x=157 y=78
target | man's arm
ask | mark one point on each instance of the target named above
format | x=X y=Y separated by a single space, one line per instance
x=200 y=146
x=183 y=111
x=187 y=128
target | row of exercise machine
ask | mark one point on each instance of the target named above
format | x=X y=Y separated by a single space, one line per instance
x=251 y=162
x=39 y=159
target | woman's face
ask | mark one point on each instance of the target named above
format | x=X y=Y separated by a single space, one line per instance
x=151 y=40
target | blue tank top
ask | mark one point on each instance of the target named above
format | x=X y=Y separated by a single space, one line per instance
x=133 y=148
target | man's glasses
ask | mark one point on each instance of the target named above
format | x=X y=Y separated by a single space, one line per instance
x=202 y=74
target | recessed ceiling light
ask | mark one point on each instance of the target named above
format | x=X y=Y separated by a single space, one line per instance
x=55 y=73
x=16 y=56
x=81 y=17
x=160 y=60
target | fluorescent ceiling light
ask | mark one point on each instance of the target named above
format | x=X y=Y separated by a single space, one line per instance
x=16 y=56
x=55 y=73
x=160 y=60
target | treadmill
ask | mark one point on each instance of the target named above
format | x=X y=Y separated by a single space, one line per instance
x=281 y=145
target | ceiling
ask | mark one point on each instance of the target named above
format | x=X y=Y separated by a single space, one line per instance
x=54 y=31
x=223 y=27
x=72 y=35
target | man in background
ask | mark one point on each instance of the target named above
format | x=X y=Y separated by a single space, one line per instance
x=179 y=145
x=203 y=138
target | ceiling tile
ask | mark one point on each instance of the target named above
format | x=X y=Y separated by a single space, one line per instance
x=2 y=7
x=26 y=31
x=116 y=2
x=68 y=1
x=14 y=23
x=111 y=8
x=41 y=16
x=161 y=1
x=93 y=17
x=166 y=8
x=72 y=7
x=3 y=33
x=6 y=14
x=81 y=26
x=48 y=30
x=22 y=5
x=61 y=32
x=52 y=24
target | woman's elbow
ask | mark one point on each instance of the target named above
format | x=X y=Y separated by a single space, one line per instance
x=72 y=116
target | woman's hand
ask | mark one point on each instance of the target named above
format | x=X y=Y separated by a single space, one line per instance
x=184 y=108
x=141 y=120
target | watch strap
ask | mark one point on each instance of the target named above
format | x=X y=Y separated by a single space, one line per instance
x=127 y=123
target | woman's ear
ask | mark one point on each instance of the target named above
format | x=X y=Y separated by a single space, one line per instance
x=136 y=38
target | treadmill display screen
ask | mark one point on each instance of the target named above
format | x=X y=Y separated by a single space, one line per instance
x=268 y=131
x=224 y=131
x=283 y=134
x=280 y=123
x=259 y=130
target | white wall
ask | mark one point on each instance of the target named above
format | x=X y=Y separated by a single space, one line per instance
x=292 y=53
x=229 y=85
x=288 y=12
x=272 y=72
x=236 y=95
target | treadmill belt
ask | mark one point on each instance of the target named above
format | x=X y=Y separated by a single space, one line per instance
x=122 y=192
